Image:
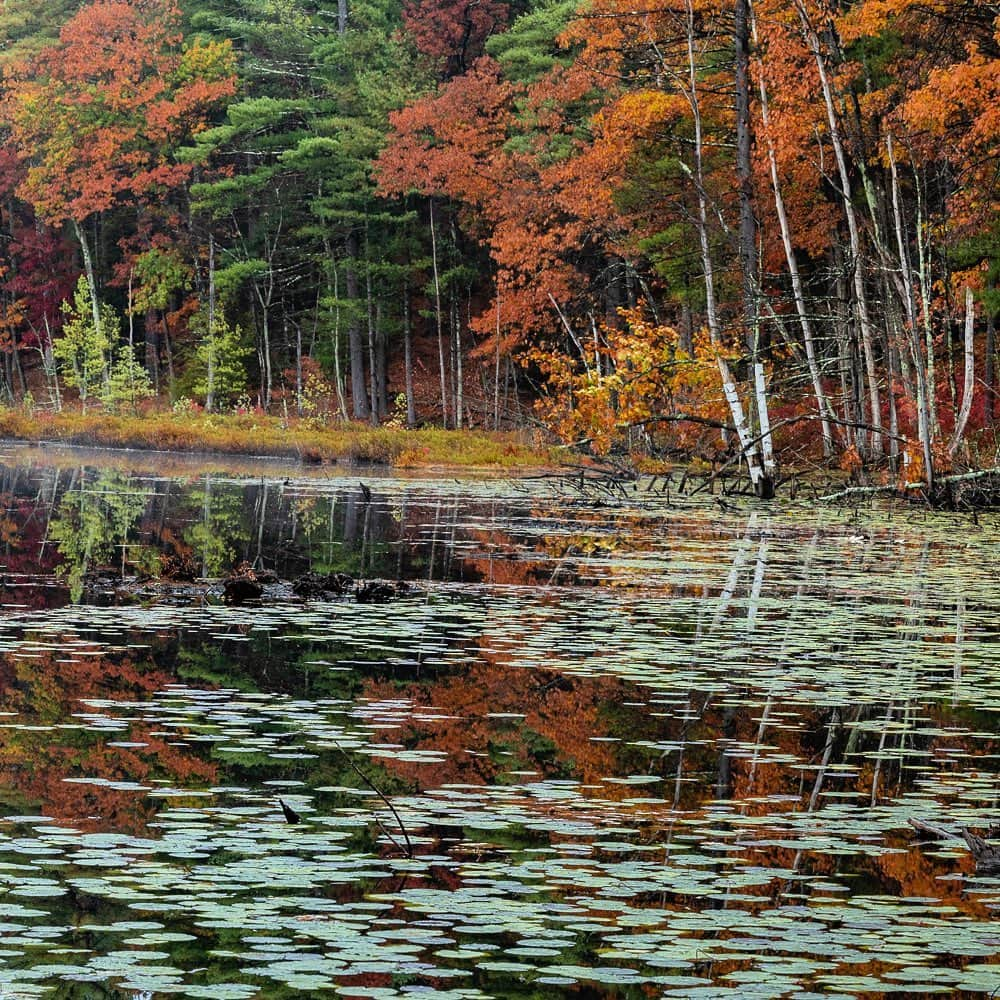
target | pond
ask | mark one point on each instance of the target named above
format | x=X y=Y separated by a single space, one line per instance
x=626 y=745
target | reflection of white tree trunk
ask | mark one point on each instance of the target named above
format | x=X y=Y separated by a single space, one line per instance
x=739 y=561
x=765 y=716
x=959 y=644
x=206 y=513
x=758 y=583
x=831 y=735
x=877 y=769
x=261 y=517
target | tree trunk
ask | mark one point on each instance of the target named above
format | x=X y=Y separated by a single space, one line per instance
x=338 y=379
x=88 y=267
x=355 y=342
x=299 y=400
x=459 y=378
x=861 y=301
x=381 y=363
x=822 y=403
x=747 y=444
x=210 y=377
x=764 y=484
x=969 y=375
x=438 y=318
x=989 y=372
x=411 y=406
x=372 y=354
x=496 y=370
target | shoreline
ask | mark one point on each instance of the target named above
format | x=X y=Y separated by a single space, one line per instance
x=259 y=437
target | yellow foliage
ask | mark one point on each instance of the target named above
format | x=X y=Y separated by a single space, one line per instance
x=633 y=376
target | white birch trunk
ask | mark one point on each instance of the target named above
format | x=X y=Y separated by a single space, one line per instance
x=822 y=403
x=969 y=379
x=747 y=445
x=861 y=301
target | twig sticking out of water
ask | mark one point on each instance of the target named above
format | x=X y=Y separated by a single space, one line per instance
x=289 y=813
x=407 y=851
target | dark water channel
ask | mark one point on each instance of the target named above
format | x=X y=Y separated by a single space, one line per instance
x=633 y=747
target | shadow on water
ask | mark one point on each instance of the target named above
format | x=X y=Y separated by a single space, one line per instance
x=639 y=749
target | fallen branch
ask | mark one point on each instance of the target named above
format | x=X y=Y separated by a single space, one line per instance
x=934 y=832
x=916 y=487
x=662 y=418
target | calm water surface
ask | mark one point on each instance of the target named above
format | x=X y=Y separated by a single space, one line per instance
x=633 y=747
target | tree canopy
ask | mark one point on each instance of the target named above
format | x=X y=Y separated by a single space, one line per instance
x=652 y=222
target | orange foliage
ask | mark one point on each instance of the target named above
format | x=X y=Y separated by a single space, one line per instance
x=98 y=115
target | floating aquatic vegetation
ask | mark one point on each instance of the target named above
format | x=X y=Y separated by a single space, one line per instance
x=638 y=748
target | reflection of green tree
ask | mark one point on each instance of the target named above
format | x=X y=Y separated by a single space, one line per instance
x=92 y=526
x=219 y=529
x=260 y=665
x=366 y=549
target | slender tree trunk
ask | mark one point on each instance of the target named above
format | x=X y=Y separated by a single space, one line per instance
x=764 y=484
x=381 y=359
x=299 y=401
x=15 y=354
x=459 y=377
x=861 y=301
x=151 y=342
x=372 y=358
x=169 y=352
x=210 y=378
x=923 y=253
x=750 y=451
x=711 y=312
x=88 y=268
x=845 y=349
x=49 y=366
x=438 y=317
x=355 y=342
x=890 y=352
x=989 y=372
x=496 y=371
x=265 y=327
x=969 y=375
x=411 y=406
x=747 y=241
x=822 y=403
x=925 y=420
x=338 y=378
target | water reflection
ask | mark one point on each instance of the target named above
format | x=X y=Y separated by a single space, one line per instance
x=639 y=751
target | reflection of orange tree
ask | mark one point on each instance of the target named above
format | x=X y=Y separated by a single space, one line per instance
x=757 y=785
x=23 y=549
x=554 y=737
x=43 y=693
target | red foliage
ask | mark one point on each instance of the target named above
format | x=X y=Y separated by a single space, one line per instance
x=453 y=32
x=45 y=272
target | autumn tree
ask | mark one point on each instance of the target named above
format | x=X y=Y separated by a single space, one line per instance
x=97 y=117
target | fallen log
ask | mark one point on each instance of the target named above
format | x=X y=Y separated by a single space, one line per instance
x=979 y=490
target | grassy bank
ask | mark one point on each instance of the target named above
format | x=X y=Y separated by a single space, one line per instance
x=253 y=434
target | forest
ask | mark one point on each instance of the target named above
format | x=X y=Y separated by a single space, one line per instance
x=751 y=231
